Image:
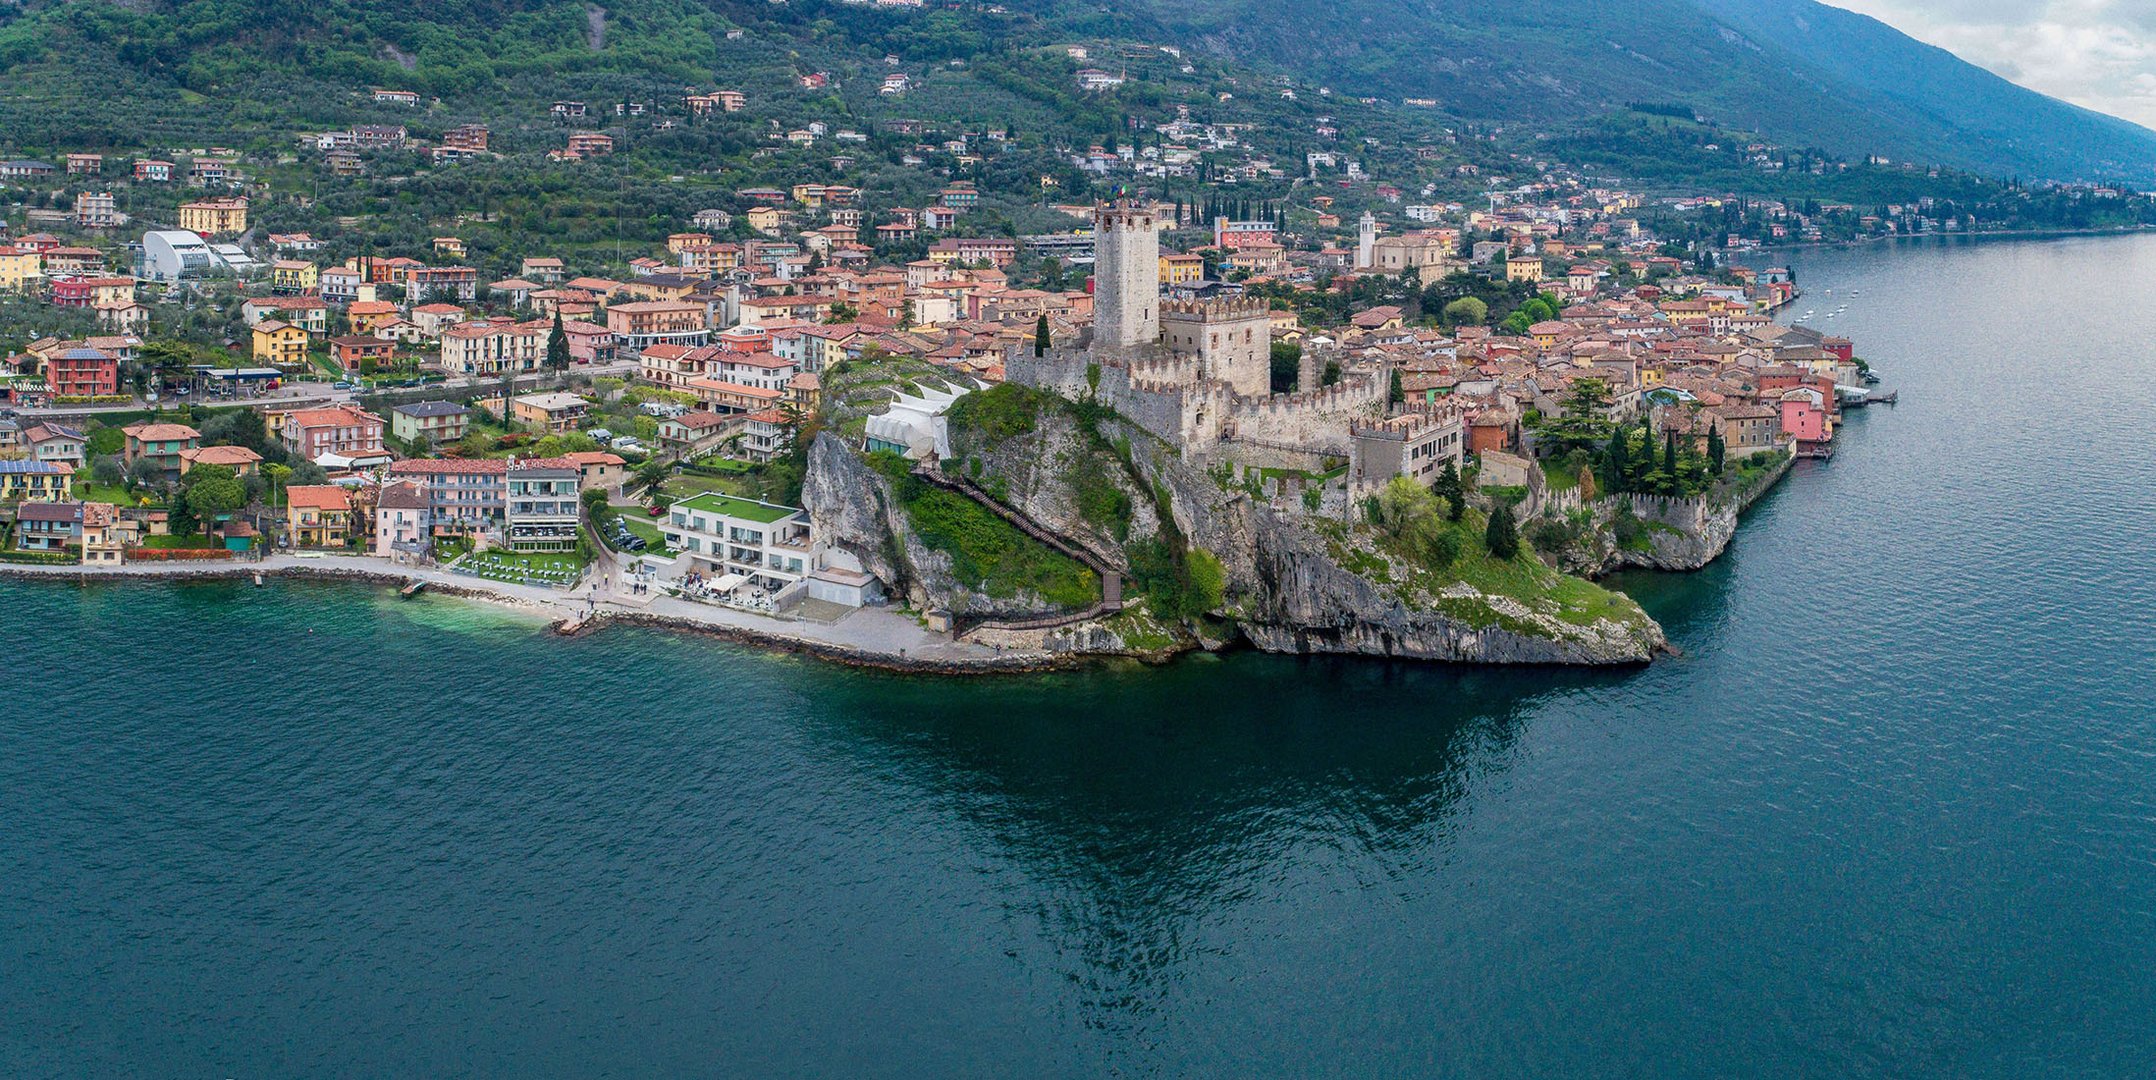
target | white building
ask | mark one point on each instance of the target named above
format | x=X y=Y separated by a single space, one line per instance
x=914 y=426
x=169 y=255
x=541 y=512
x=736 y=542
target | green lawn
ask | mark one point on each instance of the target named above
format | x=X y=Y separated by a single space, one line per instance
x=560 y=568
x=104 y=493
x=177 y=543
x=688 y=485
x=712 y=502
x=648 y=528
x=727 y=465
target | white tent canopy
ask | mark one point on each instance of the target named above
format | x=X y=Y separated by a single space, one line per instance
x=729 y=583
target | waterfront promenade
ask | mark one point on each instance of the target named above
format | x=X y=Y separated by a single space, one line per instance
x=880 y=637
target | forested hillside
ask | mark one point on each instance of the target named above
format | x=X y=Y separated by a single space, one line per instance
x=1797 y=71
x=95 y=73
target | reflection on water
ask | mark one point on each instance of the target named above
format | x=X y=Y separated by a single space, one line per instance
x=1137 y=826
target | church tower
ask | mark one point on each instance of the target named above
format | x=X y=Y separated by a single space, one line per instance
x=1126 y=276
x=1367 y=242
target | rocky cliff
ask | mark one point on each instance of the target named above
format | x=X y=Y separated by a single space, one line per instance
x=854 y=508
x=1665 y=533
x=1288 y=587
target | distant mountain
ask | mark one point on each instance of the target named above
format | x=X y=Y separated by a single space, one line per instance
x=178 y=72
x=1799 y=72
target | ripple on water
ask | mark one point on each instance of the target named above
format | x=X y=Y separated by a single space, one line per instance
x=1890 y=814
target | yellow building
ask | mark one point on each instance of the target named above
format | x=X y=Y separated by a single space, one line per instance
x=318 y=516
x=24 y=480
x=211 y=217
x=294 y=276
x=19 y=270
x=280 y=344
x=1523 y=268
x=766 y=218
x=1176 y=269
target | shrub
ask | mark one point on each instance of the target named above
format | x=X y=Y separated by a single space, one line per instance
x=1101 y=502
x=1000 y=412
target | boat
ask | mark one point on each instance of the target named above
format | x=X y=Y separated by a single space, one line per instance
x=412 y=590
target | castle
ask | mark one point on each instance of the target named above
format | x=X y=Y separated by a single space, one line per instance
x=1197 y=373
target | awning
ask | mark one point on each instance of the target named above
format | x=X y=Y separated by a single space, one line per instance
x=729 y=583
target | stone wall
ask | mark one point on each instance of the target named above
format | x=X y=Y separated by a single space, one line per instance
x=1316 y=419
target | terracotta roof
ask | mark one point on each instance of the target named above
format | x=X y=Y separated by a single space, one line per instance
x=220 y=455
x=329 y=417
x=148 y=432
x=448 y=466
x=700 y=420
x=586 y=458
x=48 y=511
x=402 y=496
x=317 y=497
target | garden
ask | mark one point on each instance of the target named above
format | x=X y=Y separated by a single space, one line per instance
x=556 y=569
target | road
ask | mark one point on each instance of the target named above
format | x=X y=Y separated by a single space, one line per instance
x=324 y=393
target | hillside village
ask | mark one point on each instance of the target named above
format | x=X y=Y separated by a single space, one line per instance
x=189 y=379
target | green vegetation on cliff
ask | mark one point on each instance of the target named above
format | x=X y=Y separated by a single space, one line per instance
x=988 y=554
x=1409 y=546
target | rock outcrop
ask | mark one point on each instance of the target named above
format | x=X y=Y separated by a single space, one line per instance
x=1668 y=533
x=852 y=507
x=1286 y=588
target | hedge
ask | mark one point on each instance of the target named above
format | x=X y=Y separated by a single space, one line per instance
x=42 y=558
x=176 y=554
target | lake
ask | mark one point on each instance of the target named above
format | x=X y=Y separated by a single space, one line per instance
x=1891 y=813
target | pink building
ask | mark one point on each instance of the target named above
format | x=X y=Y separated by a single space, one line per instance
x=345 y=430
x=1804 y=418
x=401 y=519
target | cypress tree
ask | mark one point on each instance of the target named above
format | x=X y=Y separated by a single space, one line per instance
x=1669 y=453
x=1040 y=335
x=1449 y=488
x=1502 y=538
x=1716 y=450
x=1620 y=441
x=557 y=345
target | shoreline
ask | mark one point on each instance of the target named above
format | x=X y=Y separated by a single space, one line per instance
x=589 y=613
x=2001 y=234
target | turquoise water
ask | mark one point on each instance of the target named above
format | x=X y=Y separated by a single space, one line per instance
x=1892 y=813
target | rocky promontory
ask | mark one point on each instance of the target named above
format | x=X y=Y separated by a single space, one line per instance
x=1203 y=561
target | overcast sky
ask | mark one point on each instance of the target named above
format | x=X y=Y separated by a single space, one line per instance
x=2097 y=53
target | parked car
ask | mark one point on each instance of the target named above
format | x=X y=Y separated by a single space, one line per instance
x=600 y=435
x=629 y=443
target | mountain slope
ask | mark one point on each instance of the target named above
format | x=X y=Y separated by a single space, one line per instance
x=1797 y=71
x=1927 y=88
x=97 y=73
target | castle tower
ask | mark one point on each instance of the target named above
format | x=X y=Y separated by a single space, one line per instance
x=1126 y=276
x=1366 y=243
x=1231 y=339
x=1310 y=371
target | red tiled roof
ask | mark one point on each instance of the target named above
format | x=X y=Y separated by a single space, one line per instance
x=317 y=497
x=458 y=466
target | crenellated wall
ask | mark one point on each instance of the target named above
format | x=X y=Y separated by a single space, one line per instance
x=1317 y=419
